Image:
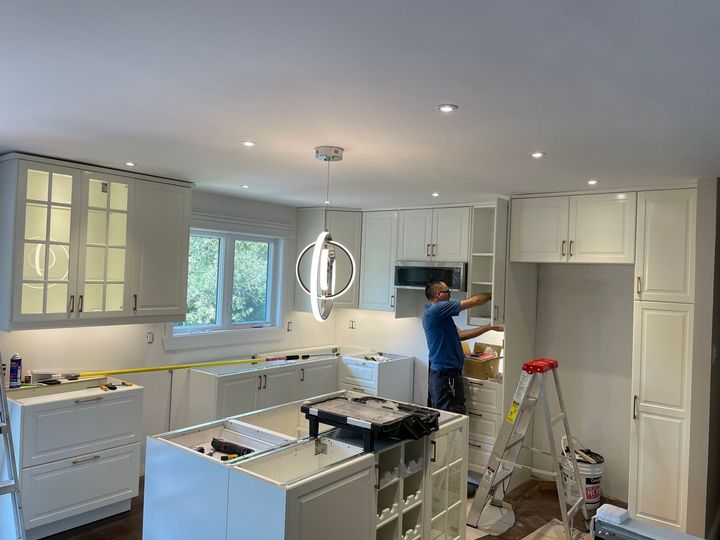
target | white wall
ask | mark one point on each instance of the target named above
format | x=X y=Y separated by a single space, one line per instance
x=584 y=320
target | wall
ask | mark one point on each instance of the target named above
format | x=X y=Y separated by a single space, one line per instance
x=125 y=346
x=585 y=320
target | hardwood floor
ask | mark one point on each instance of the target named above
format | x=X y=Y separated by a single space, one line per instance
x=535 y=504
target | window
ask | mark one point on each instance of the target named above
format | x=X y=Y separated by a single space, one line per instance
x=231 y=283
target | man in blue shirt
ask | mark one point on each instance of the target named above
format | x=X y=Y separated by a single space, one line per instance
x=445 y=385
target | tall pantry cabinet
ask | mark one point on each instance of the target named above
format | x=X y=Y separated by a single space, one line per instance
x=662 y=356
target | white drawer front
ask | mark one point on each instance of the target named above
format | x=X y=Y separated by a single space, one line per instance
x=358 y=372
x=478 y=456
x=484 y=396
x=357 y=388
x=73 y=486
x=484 y=427
x=80 y=425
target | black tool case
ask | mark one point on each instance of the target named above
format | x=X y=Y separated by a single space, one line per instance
x=373 y=417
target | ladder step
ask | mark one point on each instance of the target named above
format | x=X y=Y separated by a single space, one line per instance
x=500 y=479
x=8 y=487
x=516 y=440
x=557 y=418
x=575 y=507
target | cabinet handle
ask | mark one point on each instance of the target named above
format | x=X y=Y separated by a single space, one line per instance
x=259 y=382
x=302 y=374
x=92 y=458
x=377 y=477
x=497 y=313
x=134 y=302
x=571 y=245
x=635 y=407
x=71 y=307
x=392 y=301
x=361 y=390
x=434 y=250
x=434 y=445
x=475 y=414
x=80 y=303
x=475 y=445
x=427 y=250
x=562 y=248
x=88 y=400
x=264 y=381
x=638 y=288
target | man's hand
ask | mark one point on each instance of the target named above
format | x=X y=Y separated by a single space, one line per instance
x=479 y=331
x=477 y=300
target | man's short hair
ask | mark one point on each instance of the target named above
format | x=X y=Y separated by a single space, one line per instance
x=431 y=288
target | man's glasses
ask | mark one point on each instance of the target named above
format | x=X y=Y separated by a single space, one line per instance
x=447 y=291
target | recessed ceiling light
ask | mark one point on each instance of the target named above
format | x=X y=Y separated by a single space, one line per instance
x=592 y=181
x=327 y=202
x=447 y=107
x=245 y=186
x=436 y=194
x=538 y=155
x=249 y=144
x=129 y=163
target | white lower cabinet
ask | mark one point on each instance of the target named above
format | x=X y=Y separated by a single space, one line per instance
x=392 y=379
x=78 y=453
x=660 y=430
x=293 y=488
x=483 y=399
x=278 y=386
x=316 y=378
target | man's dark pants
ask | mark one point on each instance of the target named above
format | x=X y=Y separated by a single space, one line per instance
x=446 y=390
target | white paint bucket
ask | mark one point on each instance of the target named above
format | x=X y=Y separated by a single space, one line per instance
x=590 y=476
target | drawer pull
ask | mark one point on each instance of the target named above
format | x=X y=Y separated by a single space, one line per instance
x=302 y=374
x=434 y=445
x=92 y=458
x=362 y=390
x=475 y=414
x=88 y=400
x=476 y=445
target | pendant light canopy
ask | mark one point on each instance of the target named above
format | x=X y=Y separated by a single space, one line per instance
x=323 y=269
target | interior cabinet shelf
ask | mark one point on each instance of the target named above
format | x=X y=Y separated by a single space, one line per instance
x=482 y=254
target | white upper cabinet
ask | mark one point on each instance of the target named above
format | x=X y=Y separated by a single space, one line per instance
x=538 y=229
x=577 y=229
x=79 y=242
x=439 y=234
x=665 y=251
x=345 y=227
x=161 y=229
x=602 y=228
x=379 y=236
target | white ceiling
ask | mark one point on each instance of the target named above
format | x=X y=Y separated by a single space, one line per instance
x=627 y=91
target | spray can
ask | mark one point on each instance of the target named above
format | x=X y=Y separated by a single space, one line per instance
x=15 y=371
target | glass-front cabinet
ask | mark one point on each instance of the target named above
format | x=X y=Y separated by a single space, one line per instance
x=49 y=238
x=104 y=266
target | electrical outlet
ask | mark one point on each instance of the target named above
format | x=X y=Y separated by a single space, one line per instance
x=150 y=337
x=289 y=326
x=351 y=325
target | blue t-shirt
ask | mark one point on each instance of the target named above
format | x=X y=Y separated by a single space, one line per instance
x=443 y=341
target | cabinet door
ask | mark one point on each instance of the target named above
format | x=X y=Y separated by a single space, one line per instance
x=237 y=394
x=278 y=386
x=379 y=238
x=414 y=235
x=104 y=264
x=602 y=228
x=539 y=229
x=46 y=240
x=161 y=214
x=451 y=230
x=499 y=262
x=317 y=378
x=665 y=251
x=661 y=373
x=346 y=228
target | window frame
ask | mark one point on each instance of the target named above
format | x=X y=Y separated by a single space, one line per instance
x=225 y=332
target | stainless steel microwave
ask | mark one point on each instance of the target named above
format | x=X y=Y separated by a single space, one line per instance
x=416 y=275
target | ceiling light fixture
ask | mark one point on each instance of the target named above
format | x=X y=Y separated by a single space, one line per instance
x=129 y=163
x=249 y=144
x=538 y=155
x=245 y=186
x=436 y=194
x=592 y=181
x=323 y=271
x=447 y=107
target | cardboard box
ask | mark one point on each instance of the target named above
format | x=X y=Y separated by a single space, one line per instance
x=485 y=366
x=481 y=348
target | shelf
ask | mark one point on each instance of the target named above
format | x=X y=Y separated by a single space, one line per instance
x=482 y=254
x=413 y=505
x=389 y=483
x=387 y=520
x=481 y=283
